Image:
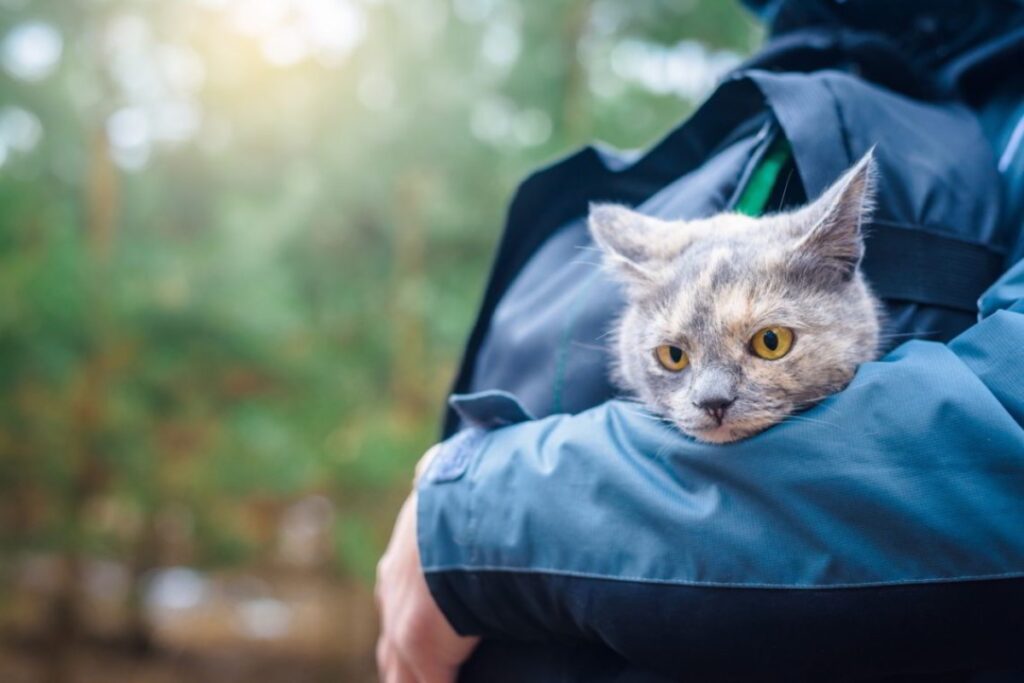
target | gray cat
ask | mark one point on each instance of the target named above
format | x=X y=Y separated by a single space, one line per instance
x=733 y=323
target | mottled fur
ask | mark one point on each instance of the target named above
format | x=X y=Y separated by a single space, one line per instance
x=708 y=285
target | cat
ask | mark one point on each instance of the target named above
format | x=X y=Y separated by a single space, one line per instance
x=733 y=323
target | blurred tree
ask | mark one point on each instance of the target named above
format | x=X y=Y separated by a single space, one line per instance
x=242 y=241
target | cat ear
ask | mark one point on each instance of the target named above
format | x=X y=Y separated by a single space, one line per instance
x=636 y=247
x=834 y=244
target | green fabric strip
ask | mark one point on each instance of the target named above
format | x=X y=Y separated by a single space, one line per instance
x=759 y=188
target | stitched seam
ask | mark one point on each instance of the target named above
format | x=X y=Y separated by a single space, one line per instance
x=727 y=584
x=563 y=348
x=844 y=130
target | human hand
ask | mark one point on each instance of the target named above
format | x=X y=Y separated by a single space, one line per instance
x=416 y=642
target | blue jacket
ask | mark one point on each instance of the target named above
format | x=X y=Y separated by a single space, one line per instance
x=880 y=533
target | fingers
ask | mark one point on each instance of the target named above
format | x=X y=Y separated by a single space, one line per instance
x=437 y=675
x=417 y=644
x=400 y=673
x=391 y=668
x=425 y=461
x=383 y=655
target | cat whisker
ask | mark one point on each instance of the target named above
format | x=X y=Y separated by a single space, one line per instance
x=802 y=418
x=814 y=402
x=652 y=418
x=782 y=199
x=589 y=347
x=692 y=285
x=663 y=451
x=641 y=410
x=901 y=335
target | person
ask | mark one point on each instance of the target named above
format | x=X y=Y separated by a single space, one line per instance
x=879 y=537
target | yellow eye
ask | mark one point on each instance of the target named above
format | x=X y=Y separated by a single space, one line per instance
x=772 y=343
x=672 y=358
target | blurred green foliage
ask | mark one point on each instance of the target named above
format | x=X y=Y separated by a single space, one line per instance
x=242 y=241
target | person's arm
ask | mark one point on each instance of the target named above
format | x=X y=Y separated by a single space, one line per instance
x=882 y=531
x=416 y=643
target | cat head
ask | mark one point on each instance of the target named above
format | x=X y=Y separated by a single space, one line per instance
x=732 y=322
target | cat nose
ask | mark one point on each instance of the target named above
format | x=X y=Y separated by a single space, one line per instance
x=715 y=406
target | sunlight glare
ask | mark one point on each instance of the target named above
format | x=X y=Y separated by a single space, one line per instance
x=291 y=31
x=285 y=46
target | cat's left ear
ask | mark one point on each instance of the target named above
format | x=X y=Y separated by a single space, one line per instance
x=834 y=244
x=636 y=247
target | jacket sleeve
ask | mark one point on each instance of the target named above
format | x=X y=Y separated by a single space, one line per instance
x=891 y=514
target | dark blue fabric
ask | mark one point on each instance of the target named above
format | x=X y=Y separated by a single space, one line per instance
x=555 y=315
x=952 y=45
x=879 y=534
x=1003 y=121
x=854 y=492
x=544 y=341
x=754 y=635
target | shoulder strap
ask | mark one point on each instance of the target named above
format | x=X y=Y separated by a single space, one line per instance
x=902 y=262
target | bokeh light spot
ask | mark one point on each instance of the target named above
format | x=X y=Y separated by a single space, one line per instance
x=31 y=51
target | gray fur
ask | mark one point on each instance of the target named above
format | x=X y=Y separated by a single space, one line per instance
x=708 y=285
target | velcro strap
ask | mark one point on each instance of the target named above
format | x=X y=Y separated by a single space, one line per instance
x=907 y=263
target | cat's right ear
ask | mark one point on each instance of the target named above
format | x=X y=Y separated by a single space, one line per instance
x=832 y=247
x=636 y=247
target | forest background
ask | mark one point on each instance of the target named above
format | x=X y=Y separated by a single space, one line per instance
x=241 y=245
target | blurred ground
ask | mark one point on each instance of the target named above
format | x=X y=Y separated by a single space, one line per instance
x=222 y=626
x=99 y=664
